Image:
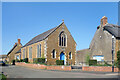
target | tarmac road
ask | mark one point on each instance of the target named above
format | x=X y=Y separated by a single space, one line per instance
x=23 y=72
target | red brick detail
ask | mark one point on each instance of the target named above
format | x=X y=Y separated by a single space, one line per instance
x=39 y=66
x=99 y=68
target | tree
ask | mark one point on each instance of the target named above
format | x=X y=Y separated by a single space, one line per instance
x=118 y=59
x=87 y=59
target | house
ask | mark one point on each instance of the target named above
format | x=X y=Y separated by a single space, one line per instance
x=12 y=53
x=54 y=44
x=105 y=41
x=18 y=55
x=3 y=57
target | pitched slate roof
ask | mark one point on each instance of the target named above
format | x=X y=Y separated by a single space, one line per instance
x=19 y=51
x=42 y=36
x=113 y=29
x=12 y=49
x=3 y=56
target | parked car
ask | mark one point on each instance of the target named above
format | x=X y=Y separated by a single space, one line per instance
x=2 y=63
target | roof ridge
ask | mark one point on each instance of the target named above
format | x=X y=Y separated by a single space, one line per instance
x=42 y=36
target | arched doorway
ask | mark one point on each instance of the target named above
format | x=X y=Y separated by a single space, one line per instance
x=62 y=57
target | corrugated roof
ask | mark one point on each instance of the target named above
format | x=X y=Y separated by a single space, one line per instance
x=42 y=36
x=113 y=29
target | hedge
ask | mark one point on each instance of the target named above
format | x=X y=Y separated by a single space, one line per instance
x=39 y=60
x=25 y=60
x=13 y=62
x=21 y=60
x=92 y=62
x=118 y=59
x=60 y=62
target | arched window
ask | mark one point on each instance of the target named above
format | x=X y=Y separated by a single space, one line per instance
x=70 y=55
x=38 y=51
x=53 y=53
x=62 y=39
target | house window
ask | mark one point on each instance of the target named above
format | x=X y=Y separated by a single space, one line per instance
x=70 y=55
x=30 y=52
x=38 y=51
x=62 y=39
x=98 y=57
x=23 y=53
x=17 y=57
x=53 y=53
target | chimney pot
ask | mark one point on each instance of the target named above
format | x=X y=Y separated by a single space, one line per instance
x=18 y=41
x=104 y=20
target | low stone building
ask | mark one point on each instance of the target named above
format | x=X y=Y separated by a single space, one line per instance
x=12 y=53
x=105 y=42
x=54 y=44
x=3 y=58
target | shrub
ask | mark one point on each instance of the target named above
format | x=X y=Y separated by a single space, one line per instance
x=39 y=60
x=21 y=60
x=92 y=62
x=13 y=62
x=17 y=60
x=118 y=59
x=87 y=59
x=25 y=60
x=60 y=62
x=35 y=60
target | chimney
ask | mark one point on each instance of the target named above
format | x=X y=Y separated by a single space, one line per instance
x=18 y=41
x=103 y=20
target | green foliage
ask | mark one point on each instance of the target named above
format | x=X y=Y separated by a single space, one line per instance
x=106 y=64
x=118 y=59
x=25 y=60
x=115 y=63
x=39 y=60
x=60 y=62
x=92 y=62
x=21 y=60
x=87 y=59
x=17 y=60
x=35 y=60
x=13 y=62
x=3 y=77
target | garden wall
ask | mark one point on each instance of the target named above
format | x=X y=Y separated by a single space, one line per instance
x=39 y=66
x=99 y=68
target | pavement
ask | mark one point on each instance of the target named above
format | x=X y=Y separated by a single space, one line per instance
x=24 y=72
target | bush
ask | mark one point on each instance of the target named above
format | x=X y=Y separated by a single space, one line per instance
x=17 y=60
x=25 y=60
x=13 y=62
x=21 y=60
x=118 y=59
x=35 y=60
x=60 y=62
x=92 y=62
x=39 y=60
x=87 y=59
